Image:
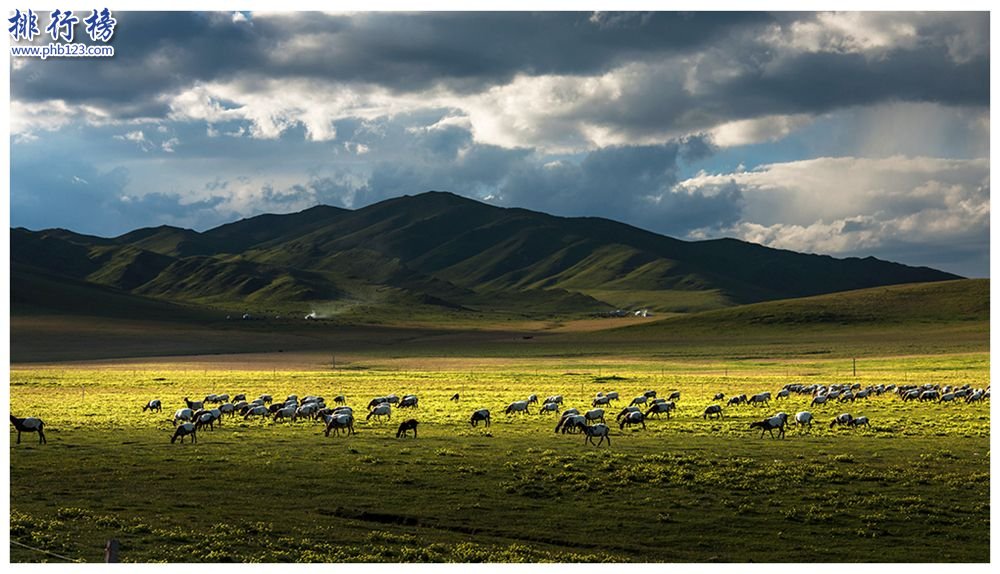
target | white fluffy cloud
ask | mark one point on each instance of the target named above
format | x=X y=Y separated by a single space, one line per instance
x=854 y=205
x=768 y=128
x=876 y=33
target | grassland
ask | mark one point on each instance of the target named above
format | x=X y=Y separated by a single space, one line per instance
x=912 y=488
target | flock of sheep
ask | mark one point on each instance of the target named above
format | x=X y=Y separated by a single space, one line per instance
x=210 y=411
x=213 y=409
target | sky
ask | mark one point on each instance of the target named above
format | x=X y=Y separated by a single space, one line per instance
x=848 y=134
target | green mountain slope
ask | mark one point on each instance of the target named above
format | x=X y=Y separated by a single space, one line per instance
x=450 y=252
x=965 y=300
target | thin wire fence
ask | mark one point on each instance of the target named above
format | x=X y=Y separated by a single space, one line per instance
x=59 y=556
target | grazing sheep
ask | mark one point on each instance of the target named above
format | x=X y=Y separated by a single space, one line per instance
x=558 y=399
x=782 y=394
x=239 y=397
x=630 y=419
x=712 y=410
x=640 y=400
x=153 y=405
x=769 y=425
x=627 y=410
x=406 y=426
x=947 y=398
x=340 y=400
x=454 y=397
x=266 y=399
x=860 y=421
x=392 y=399
x=183 y=415
x=205 y=419
x=209 y=398
x=573 y=411
x=29 y=424
x=194 y=405
x=600 y=430
x=307 y=410
x=659 y=408
x=594 y=415
x=737 y=400
x=719 y=397
x=760 y=399
x=612 y=396
x=409 y=401
x=975 y=396
x=186 y=429
x=480 y=415
x=930 y=395
x=227 y=409
x=517 y=407
x=532 y=399
x=376 y=402
x=257 y=411
x=841 y=419
x=818 y=400
x=571 y=423
x=548 y=408
x=382 y=410
x=804 y=418
x=600 y=401
x=336 y=422
x=284 y=413
x=674 y=396
x=846 y=396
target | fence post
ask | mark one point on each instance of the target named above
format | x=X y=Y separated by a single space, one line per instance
x=111 y=551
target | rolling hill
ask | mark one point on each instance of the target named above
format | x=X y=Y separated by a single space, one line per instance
x=443 y=251
x=911 y=319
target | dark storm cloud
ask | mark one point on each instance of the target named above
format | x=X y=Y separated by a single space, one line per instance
x=626 y=183
x=163 y=52
x=819 y=82
x=158 y=52
x=75 y=195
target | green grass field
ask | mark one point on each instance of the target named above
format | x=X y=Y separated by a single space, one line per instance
x=912 y=488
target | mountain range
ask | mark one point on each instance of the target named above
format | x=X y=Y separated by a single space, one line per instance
x=434 y=250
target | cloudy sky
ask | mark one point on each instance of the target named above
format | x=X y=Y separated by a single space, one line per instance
x=846 y=134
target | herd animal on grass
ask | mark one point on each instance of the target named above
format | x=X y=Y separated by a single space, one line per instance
x=194 y=416
x=29 y=424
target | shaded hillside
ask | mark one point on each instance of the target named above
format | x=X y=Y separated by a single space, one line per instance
x=966 y=300
x=36 y=292
x=449 y=252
